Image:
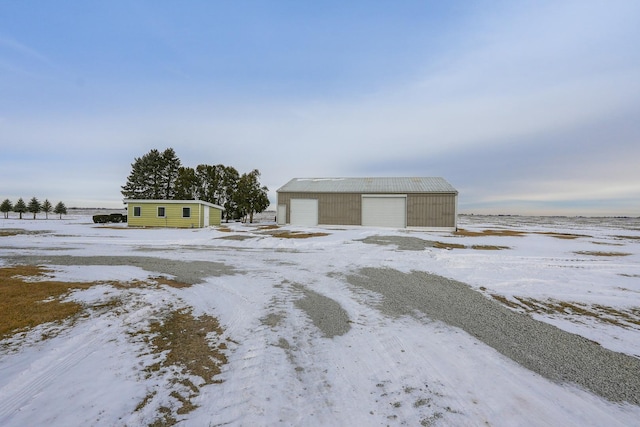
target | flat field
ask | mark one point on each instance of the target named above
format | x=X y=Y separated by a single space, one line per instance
x=509 y=321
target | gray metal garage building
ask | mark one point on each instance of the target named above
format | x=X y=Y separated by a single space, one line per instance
x=425 y=202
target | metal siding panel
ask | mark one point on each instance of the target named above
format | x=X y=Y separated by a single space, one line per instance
x=339 y=209
x=431 y=210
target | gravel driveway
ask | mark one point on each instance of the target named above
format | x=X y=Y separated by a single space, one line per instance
x=538 y=346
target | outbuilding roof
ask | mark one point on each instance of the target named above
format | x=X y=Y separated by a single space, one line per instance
x=368 y=185
x=168 y=202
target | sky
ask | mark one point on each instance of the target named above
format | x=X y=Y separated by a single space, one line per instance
x=528 y=107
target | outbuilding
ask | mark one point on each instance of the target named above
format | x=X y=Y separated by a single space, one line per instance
x=424 y=202
x=172 y=213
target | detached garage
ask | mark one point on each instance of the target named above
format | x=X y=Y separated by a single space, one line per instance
x=425 y=202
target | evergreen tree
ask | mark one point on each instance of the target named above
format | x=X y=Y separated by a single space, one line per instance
x=20 y=207
x=153 y=176
x=6 y=207
x=60 y=209
x=46 y=208
x=210 y=179
x=227 y=198
x=171 y=165
x=250 y=196
x=187 y=184
x=34 y=206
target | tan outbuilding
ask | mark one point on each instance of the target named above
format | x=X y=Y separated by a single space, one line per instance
x=420 y=202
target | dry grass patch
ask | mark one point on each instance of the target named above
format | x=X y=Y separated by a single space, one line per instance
x=268 y=227
x=628 y=237
x=602 y=253
x=504 y=301
x=190 y=347
x=514 y=233
x=629 y=318
x=296 y=235
x=566 y=236
x=608 y=244
x=443 y=245
x=237 y=237
x=11 y=232
x=467 y=233
x=29 y=299
x=161 y=280
x=7 y=232
x=489 y=247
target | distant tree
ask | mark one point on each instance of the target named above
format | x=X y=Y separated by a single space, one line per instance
x=171 y=165
x=153 y=176
x=46 y=208
x=227 y=198
x=211 y=181
x=20 y=207
x=251 y=197
x=34 y=206
x=187 y=184
x=6 y=207
x=60 y=209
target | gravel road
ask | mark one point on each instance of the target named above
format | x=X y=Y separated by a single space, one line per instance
x=538 y=346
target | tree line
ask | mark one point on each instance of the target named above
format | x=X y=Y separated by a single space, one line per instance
x=34 y=206
x=161 y=176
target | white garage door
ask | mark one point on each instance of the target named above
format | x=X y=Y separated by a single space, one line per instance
x=304 y=212
x=384 y=211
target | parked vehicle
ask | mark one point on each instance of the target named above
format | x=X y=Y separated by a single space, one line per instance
x=114 y=217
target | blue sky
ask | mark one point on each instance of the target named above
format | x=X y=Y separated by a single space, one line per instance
x=528 y=107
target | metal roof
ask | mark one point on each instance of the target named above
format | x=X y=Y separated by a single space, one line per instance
x=167 y=202
x=368 y=185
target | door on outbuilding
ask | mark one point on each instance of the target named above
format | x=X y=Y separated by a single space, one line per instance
x=207 y=214
x=281 y=214
x=304 y=212
x=384 y=211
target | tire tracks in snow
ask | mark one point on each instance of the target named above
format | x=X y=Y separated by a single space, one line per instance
x=45 y=371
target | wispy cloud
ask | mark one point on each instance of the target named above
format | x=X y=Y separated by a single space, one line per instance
x=14 y=46
x=533 y=104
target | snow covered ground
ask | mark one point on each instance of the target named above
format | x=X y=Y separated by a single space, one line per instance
x=307 y=346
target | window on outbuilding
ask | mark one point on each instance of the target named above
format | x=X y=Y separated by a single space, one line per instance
x=161 y=212
x=137 y=211
x=186 y=212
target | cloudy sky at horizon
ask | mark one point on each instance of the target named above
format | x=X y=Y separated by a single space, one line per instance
x=525 y=107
